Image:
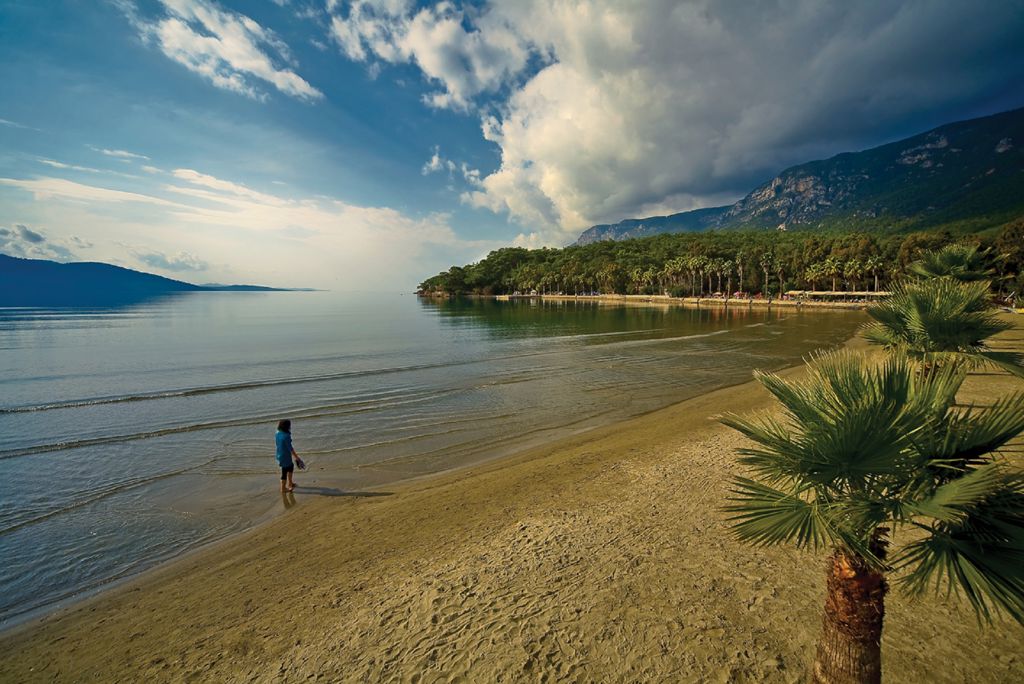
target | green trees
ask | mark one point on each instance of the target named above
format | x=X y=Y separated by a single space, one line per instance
x=808 y=260
x=863 y=448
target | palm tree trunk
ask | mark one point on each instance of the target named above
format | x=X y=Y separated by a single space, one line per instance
x=849 y=651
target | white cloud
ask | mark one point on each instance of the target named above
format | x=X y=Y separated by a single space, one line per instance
x=438 y=163
x=463 y=61
x=182 y=261
x=119 y=154
x=63 y=189
x=227 y=48
x=15 y=124
x=269 y=238
x=71 y=167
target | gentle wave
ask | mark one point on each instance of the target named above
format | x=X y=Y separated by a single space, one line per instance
x=323 y=377
x=317 y=412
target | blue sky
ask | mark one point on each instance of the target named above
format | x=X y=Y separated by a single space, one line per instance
x=370 y=144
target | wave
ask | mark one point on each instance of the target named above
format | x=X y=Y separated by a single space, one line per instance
x=322 y=377
x=313 y=412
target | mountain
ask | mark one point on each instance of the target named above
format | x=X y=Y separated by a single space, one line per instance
x=38 y=282
x=969 y=173
x=687 y=221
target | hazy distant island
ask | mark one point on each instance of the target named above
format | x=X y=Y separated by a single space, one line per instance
x=39 y=282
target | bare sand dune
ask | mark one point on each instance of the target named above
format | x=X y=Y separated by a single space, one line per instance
x=602 y=558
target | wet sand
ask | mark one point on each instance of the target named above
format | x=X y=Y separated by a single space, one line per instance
x=603 y=557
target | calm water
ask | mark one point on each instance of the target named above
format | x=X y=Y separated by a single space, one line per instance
x=130 y=434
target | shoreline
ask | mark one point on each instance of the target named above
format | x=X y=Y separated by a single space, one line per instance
x=666 y=300
x=576 y=559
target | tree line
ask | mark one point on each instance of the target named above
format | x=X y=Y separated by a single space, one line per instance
x=697 y=264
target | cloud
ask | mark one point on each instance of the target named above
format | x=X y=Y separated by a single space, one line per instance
x=71 y=167
x=272 y=238
x=182 y=261
x=15 y=124
x=119 y=154
x=207 y=181
x=602 y=109
x=438 y=163
x=22 y=241
x=60 y=188
x=464 y=55
x=227 y=48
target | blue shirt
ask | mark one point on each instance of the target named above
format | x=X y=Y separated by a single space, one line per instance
x=284 y=449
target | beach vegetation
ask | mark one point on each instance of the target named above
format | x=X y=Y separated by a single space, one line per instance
x=942 y=320
x=877 y=463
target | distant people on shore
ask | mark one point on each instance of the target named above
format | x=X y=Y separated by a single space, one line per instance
x=287 y=459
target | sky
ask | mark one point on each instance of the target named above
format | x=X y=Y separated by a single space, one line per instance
x=368 y=144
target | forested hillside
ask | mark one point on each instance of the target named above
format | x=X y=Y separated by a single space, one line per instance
x=731 y=261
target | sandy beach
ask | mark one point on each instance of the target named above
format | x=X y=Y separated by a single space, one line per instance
x=603 y=557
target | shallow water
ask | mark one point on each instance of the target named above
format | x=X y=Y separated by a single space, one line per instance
x=130 y=434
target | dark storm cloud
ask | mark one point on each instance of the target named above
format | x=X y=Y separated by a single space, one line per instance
x=664 y=105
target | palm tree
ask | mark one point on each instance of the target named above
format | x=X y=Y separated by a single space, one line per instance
x=692 y=268
x=701 y=264
x=833 y=269
x=740 y=257
x=636 y=277
x=939 y=322
x=960 y=262
x=853 y=269
x=867 y=447
x=767 y=262
x=813 y=274
x=728 y=266
x=873 y=264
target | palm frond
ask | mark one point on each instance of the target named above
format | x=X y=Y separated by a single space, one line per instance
x=766 y=516
x=953 y=501
x=958 y=262
x=1006 y=360
x=980 y=553
x=968 y=438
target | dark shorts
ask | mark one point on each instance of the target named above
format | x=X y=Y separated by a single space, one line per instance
x=285 y=471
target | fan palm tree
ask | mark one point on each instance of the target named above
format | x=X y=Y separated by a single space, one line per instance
x=741 y=256
x=833 y=268
x=941 y=321
x=960 y=262
x=767 y=262
x=728 y=266
x=873 y=264
x=864 y=448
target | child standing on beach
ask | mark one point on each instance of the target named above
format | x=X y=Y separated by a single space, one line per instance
x=285 y=452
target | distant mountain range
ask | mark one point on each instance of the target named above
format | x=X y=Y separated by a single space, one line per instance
x=38 y=282
x=968 y=174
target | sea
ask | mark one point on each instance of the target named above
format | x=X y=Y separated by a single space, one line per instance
x=131 y=434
